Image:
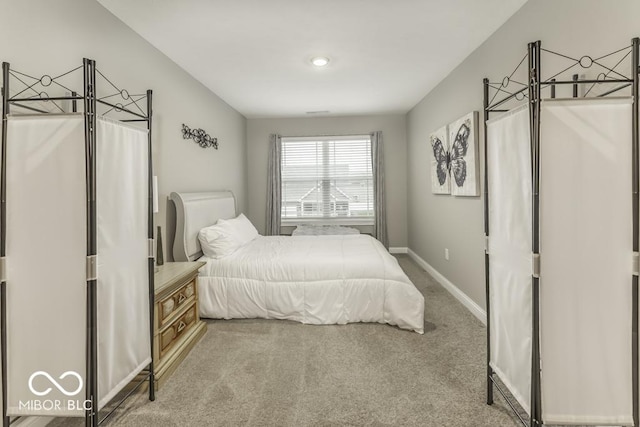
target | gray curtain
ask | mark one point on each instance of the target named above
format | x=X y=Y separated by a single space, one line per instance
x=274 y=180
x=379 y=203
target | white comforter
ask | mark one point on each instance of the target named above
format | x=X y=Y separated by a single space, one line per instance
x=311 y=279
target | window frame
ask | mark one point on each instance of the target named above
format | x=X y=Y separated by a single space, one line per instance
x=338 y=220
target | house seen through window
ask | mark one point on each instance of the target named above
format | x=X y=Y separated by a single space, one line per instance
x=327 y=180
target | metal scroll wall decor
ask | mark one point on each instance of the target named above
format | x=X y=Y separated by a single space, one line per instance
x=200 y=137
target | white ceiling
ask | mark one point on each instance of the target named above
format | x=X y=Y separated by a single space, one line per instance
x=386 y=55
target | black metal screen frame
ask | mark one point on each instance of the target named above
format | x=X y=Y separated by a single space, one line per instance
x=532 y=92
x=91 y=101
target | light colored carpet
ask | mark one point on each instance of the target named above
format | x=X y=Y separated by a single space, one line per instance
x=281 y=373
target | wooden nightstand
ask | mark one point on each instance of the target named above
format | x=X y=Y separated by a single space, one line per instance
x=177 y=325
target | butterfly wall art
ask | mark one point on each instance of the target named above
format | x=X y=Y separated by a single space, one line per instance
x=454 y=163
x=440 y=183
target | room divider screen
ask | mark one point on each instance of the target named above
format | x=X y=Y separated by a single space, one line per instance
x=561 y=220
x=76 y=225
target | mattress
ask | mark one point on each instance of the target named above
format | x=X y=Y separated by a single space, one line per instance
x=311 y=279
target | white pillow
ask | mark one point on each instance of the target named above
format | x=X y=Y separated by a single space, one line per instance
x=226 y=236
x=244 y=229
x=218 y=240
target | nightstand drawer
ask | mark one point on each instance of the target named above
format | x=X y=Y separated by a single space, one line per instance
x=177 y=329
x=175 y=301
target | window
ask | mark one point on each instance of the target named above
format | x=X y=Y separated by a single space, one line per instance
x=327 y=179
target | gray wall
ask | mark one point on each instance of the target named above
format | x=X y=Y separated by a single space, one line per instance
x=393 y=129
x=576 y=27
x=47 y=37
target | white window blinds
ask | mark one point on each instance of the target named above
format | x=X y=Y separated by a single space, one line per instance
x=327 y=179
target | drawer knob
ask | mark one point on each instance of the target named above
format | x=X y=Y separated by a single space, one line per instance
x=181 y=298
x=181 y=326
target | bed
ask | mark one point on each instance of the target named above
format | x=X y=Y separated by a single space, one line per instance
x=335 y=279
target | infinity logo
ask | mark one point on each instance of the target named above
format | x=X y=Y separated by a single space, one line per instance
x=55 y=383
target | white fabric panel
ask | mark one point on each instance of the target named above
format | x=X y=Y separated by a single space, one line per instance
x=585 y=249
x=123 y=278
x=311 y=279
x=509 y=169
x=46 y=253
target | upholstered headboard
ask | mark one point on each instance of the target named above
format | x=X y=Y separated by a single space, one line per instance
x=194 y=211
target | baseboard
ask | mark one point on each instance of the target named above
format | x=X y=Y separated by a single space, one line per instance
x=32 y=422
x=399 y=250
x=471 y=305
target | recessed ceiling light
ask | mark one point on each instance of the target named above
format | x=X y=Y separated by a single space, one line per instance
x=320 y=61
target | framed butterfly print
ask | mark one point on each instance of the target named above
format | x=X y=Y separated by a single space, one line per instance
x=463 y=155
x=440 y=181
